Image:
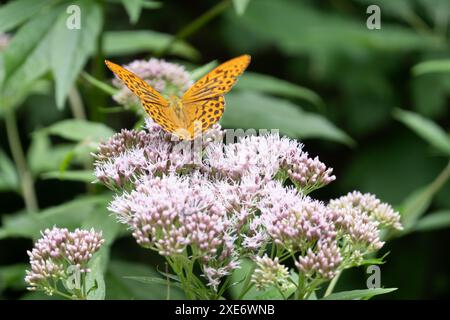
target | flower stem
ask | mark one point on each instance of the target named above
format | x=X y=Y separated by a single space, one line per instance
x=26 y=179
x=195 y=25
x=332 y=284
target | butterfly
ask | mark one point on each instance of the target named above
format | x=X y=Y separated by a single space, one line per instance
x=201 y=106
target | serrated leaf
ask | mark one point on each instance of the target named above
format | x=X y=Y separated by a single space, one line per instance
x=358 y=294
x=426 y=129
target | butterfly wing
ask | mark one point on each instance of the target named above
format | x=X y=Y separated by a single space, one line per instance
x=217 y=82
x=154 y=103
x=203 y=114
x=204 y=103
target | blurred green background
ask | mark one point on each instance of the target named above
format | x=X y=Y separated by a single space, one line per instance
x=372 y=104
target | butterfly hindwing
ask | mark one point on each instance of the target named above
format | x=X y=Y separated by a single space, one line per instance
x=204 y=113
x=153 y=102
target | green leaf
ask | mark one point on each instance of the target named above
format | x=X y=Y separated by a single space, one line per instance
x=272 y=85
x=75 y=175
x=12 y=277
x=426 y=129
x=99 y=84
x=80 y=130
x=239 y=277
x=70 y=215
x=134 y=8
x=419 y=201
x=43 y=157
x=70 y=49
x=257 y=111
x=120 y=287
x=95 y=282
x=434 y=221
x=240 y=6
x=26 y=58
x=415 y=206
x=9 y=179
x=283 y=23
x=118 y=43
x=358 y=294
x=100 y=220
x=431 y=66
x=15 y=13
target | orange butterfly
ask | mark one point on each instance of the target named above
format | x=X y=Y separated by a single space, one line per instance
x=200 y=107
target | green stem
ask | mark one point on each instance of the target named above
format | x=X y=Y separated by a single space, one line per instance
x=195 y=25
x=168 y=282
x=78 y=112
x=26 y=179
x=301 y=286
x=332 y=284
x=62 y=294
x=76 y=104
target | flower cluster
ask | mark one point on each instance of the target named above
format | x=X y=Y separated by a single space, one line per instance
x=130 y=154
x=270 y=272
x=214 y=204
x=56 y=252
x=165 y=77
x=367 y=204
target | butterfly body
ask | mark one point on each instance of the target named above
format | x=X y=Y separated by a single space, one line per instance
x=200 y=107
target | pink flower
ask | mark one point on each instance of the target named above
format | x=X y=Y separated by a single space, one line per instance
x=56 y=251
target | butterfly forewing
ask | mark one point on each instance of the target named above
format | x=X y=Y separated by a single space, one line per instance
x=217 y=82
x=153 y=102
